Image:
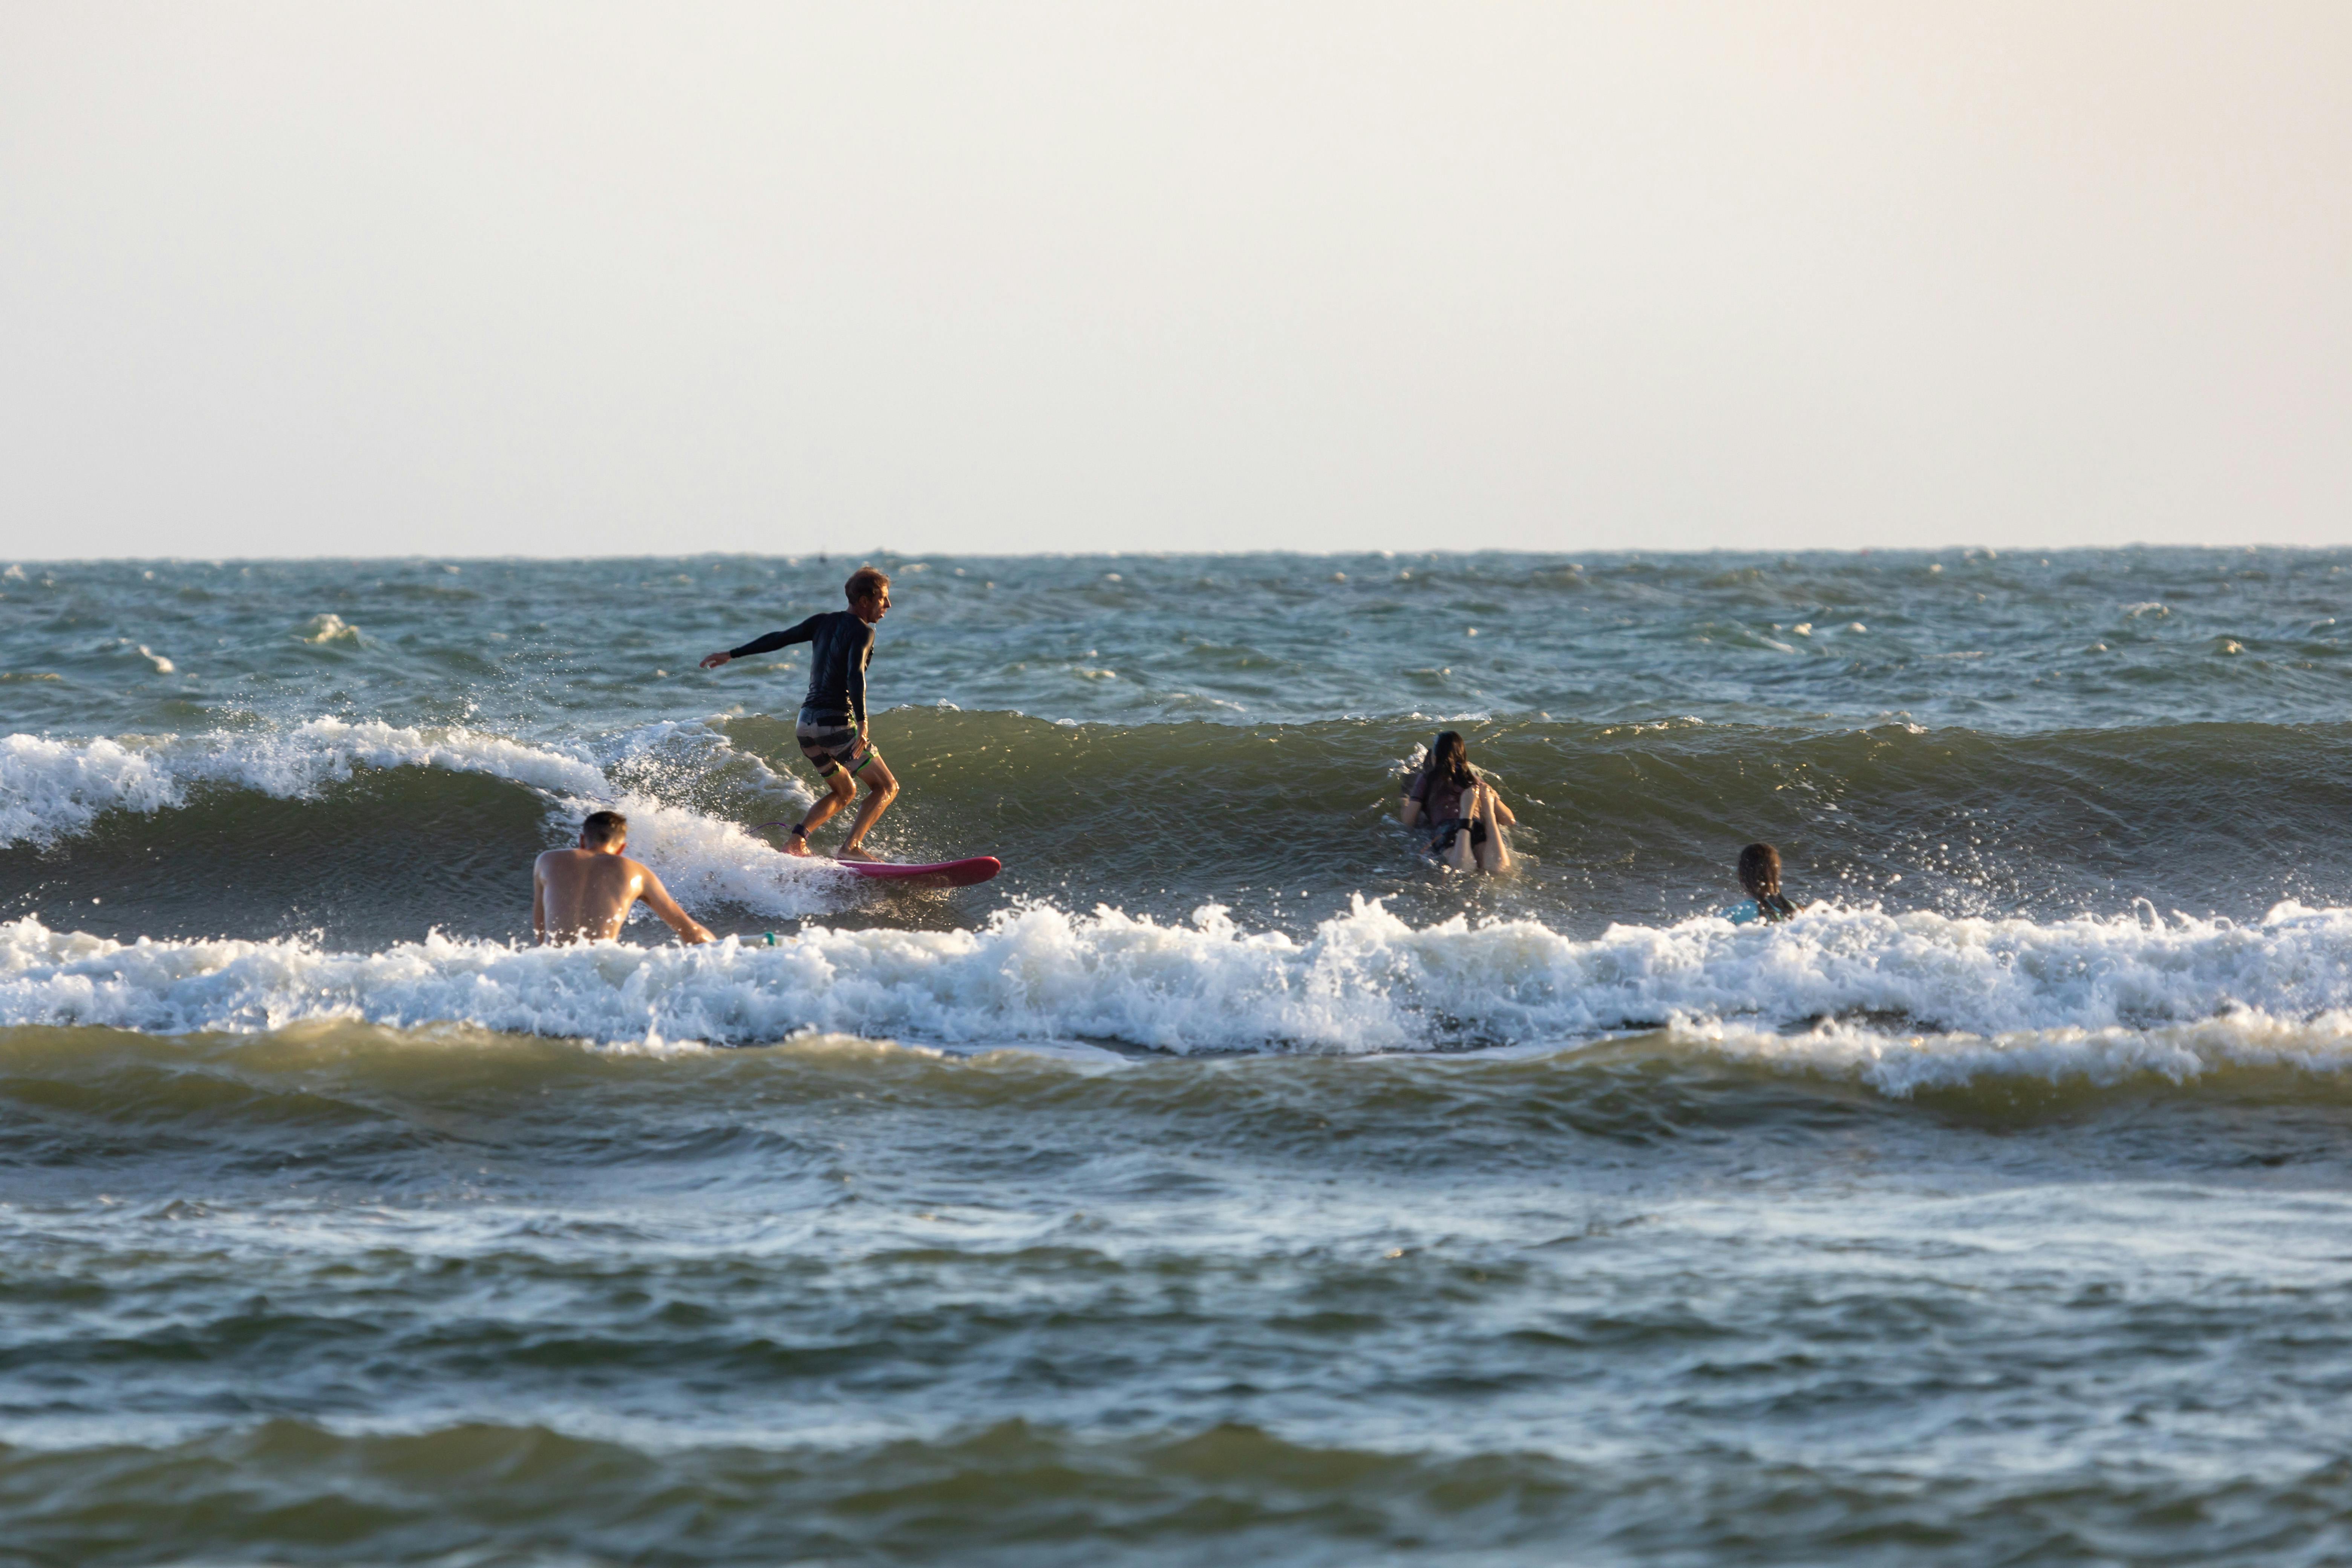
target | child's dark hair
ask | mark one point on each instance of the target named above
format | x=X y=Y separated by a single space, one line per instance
x=1450 y=760
x=1759 y=873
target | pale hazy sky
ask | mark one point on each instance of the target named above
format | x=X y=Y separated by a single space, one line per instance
x=567 y=279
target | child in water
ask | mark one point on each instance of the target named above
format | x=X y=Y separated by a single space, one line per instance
x=1462 y=809
x=1759 y=873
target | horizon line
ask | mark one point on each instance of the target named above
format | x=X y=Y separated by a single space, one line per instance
x=1991 y=552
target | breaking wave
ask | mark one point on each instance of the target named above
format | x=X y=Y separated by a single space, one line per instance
x=53 y=790
x=1903 y=1002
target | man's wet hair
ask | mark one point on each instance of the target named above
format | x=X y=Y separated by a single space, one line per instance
x=866 y=583
x=1759 y=869
x=603 y=828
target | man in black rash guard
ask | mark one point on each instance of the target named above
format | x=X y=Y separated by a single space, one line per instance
x=833 y=715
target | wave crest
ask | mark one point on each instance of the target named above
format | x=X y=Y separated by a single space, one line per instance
x=1902 y=1000
x=51 y=790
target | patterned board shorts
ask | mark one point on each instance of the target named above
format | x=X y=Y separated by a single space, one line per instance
x=832 y=741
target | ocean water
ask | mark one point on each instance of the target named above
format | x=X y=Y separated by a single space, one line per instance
x=1223 y=1182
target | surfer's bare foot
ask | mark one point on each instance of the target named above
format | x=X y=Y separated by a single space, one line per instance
x=795 y=845
x=854 y=852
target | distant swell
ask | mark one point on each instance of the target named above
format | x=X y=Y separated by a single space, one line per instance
x=1633 y=823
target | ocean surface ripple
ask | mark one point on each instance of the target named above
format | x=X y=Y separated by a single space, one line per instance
x=1222 y=1183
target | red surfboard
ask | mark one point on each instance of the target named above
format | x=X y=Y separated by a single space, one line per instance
x=943 y=873
x=937 y=873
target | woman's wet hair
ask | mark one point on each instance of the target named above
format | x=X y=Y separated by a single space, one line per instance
x=1759 y=869
x=1450 y=760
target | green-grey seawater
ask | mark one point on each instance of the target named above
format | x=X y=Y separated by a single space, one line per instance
x=1222 y=1183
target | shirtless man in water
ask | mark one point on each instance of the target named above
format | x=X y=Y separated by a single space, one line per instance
x=833 y=715
x=584 y=894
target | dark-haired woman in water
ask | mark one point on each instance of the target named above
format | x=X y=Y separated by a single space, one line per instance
x=1450 y=799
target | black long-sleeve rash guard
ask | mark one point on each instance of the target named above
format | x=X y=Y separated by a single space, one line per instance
x=842 y=647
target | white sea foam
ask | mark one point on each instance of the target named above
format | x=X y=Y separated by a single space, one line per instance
x=51 y=790
x=1904 y=1065
x=1924 y=999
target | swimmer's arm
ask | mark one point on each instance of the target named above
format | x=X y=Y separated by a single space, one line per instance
x=689 y=930
x=538 y=906
x=767 y=644
x=1409 y=812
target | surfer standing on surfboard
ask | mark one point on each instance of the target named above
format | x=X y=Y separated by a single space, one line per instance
x=833 y=715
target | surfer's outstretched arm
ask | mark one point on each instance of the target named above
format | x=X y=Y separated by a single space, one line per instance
x=769 y=643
